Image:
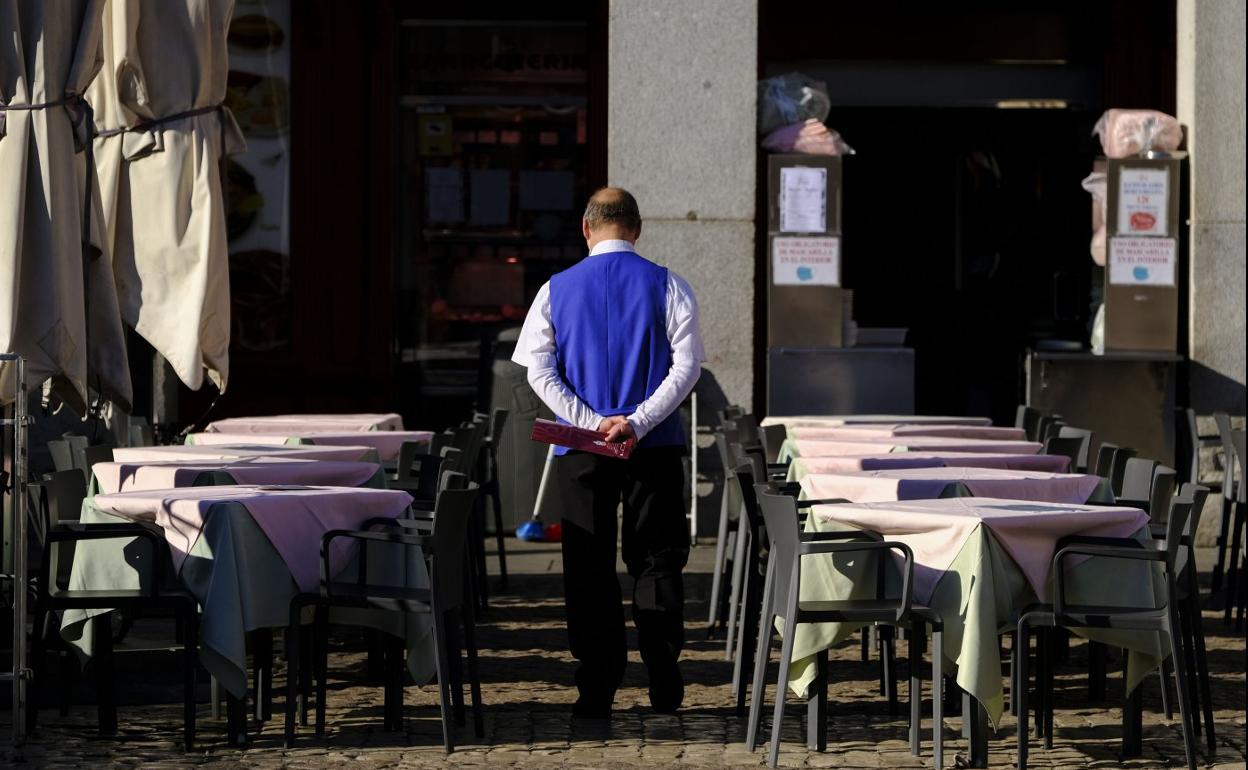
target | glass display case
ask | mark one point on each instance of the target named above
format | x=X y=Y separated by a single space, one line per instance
x=493 y=146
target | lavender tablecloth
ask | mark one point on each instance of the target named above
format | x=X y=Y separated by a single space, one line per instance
x=931 y=483
x=158 y=454
x=285 y=423
x=799 y=447
x=835 y=420
x=800 y=467
x=856 y=432
x=386 y=442
x=110 y=478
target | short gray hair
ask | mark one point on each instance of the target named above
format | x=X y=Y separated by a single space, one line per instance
x=613 y=206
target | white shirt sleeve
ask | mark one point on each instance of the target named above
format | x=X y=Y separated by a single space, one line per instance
x=685 y=337
x=535 y=349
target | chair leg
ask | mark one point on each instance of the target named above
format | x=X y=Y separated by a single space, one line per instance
x=1049 y=654
x=262 y=657
x=294 y=672
x=1189 y=657
x=1097 y=653
x=888 y=665
x=817 y=706
x=395 y=674
x=1219 y=567
x=307 y=645
x=938 y=703
x=762 y=651
x=915 y=645
x=236 y=720
x=454 y=651
x=214 y=694
x=474 y=674
x=321 y=635
x=865 y=652
x=444 y=684
x=782 y=678
x=1180 y=670
x=190 y=663
x=1019 y=698
x=477 y=544
x=39 y=669
x=500 y=535
x=1232 y=565
x=747 y=637
x=1202 y=671
x=104 y=678
x=721 y=540
x=1163 y=677
x=738 y=575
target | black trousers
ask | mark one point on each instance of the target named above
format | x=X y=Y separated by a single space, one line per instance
x=655 y=548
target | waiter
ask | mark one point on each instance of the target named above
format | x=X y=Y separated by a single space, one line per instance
x=612 y=344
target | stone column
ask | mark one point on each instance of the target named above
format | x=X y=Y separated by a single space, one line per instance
x=681 y=137
x=1210 y=82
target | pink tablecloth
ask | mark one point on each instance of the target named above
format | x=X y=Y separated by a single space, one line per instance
x=292 y=519
x=386 y=442
x=930 y=483
x=835 y=420
x=133 y=477
x=937 y=529
x=868 y=445
x=857 y=432
x=1047 y=463
x=286 y=423
x=157 y=454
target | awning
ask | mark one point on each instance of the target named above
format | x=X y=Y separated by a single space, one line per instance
x=162 y=134
x=49 y=53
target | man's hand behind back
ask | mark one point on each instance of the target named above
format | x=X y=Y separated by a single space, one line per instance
x=617 y=428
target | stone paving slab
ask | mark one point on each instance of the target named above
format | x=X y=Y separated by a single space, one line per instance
x=528 y=692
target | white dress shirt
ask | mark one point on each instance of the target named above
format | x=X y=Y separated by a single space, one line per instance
x=535 y=350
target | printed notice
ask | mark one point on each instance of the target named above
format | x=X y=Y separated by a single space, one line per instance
x=803 y=200
x=806 y=261
x=444 y=194
x=1142 y=261
x=1143 y=201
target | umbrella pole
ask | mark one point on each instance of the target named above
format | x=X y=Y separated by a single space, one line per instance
x=19 y=673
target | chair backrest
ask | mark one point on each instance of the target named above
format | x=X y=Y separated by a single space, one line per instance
x=62 y=455
x=1042 y=426
x=498 y=420
x=1118 y=474
x=1105 y=460
x=1053 y=430
x=1179 y=514
x=1137 y=479
x=1028 y=419
x=743 y=479
x=780 y=518
x=721 y=446
x=730 y=412
x=1223 y=421
x=773 y=437
x=1241 y=460
x=450 y=541
x=1161 y=492
x=1193 y=495
x=407 y=456
x=1065 y=447
x=1186 y=445
x=1082 y=461
x=65 y=492
x=99 y=453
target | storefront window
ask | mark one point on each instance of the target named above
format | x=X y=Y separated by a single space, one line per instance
x=493 y=141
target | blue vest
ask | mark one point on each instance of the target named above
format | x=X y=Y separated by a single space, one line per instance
x=610 y=317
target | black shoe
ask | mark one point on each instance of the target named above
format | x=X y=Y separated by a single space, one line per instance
x=667 y=686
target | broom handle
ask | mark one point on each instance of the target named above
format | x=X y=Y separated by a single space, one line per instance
x=541 y=487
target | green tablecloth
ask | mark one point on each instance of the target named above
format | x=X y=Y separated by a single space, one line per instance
x=242 y=584
x=982 y=590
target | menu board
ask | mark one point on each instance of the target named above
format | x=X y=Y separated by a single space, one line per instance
x=1143 y=201
x=1142 y=261
x=803 y=199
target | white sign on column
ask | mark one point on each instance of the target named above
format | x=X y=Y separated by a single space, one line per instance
x=1143 y=201
x=806 y=261
x=1142 y=261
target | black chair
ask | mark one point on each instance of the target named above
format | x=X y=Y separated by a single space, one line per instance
x=55 y=499
x=444 y=549
x=492 y=490
x=1237 y=572
x=1028 y=419
x=1061 y=614
x=1118 y=473
x=96 y=454
x=1105 y=460
x=62 y=455
x=780 y=599
x=1083 y=460
x=773 y=437
x=1225 y=432
x=1066 y=447
x=1137 y=483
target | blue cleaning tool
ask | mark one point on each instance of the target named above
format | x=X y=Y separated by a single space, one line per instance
x=531 y=530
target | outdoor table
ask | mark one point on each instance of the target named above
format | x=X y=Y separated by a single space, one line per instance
x=244 y=552
x=799 y=467
x=386 y=442
x=837 y=420
x=978 y=561
x=799 y=447
x=286 y=423
x=855 y=432
x=932 y=483
x=158 y=454
x=110 y=478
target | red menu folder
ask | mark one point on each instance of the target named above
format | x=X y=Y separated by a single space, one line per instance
x=581 y=440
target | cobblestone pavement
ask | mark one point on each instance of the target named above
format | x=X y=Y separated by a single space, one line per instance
x=528 y=693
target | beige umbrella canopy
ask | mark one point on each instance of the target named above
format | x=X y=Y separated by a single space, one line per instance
x=49 y=53
x=162 y=134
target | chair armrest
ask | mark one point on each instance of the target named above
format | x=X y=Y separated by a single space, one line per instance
x=1129 y=503
x=1072 y=540
x=790 y=488
x=76 y=531
x=390 y=536
x=843 y=534
x=807 y=548
x=826 y=501
x=1137 y=553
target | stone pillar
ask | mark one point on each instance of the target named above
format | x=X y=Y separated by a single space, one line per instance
x=1210 y=83
x=681 y=137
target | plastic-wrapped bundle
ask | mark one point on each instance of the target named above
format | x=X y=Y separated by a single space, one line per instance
x=1127 y=133
x=791 y=98
x=1095 y=185
x=810 y=137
